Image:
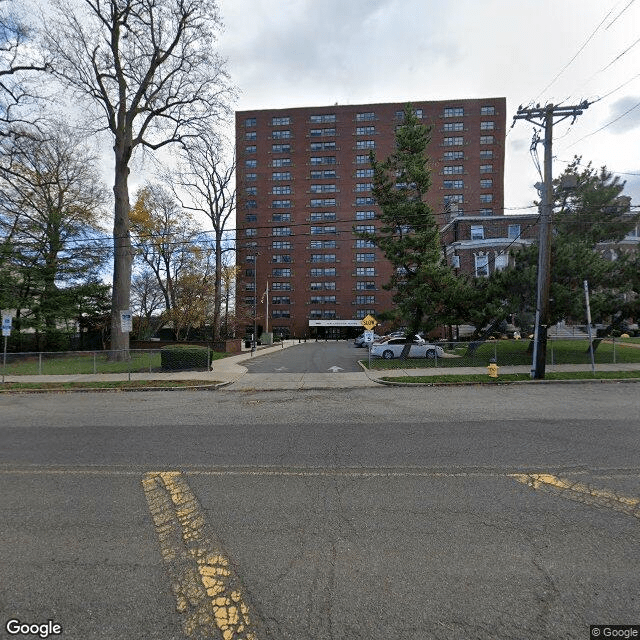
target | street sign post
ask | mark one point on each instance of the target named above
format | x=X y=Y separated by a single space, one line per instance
x=369 y=322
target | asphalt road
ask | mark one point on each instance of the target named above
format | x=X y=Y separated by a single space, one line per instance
x=310 y=357
x=502 y=512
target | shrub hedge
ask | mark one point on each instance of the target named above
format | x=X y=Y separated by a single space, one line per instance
x=176 y=357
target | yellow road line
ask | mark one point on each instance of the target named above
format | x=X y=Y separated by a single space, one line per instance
x=581 y=492
x=208 y=593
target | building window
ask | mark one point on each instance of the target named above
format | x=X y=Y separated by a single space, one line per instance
x=486 y=168
x=323 y=202
x=251 y=164
x=281 y=148
x=280 y=121
x=251 y=135
x=365 y=144
x=365 y=285
x=452 y=170
x=329 y=272
x=317 y=216
x=366 y=116
x=364 y=173
x=482 y=266
x=282 y=190
x=453 y=112
x=453 y=184
x=280 y=286
x=453 y=155
x=453 y=126
x=322 y=244
x=320 y=230
x=454 y=197
x=486 y=212
x=486 y=154
x=360 y=200
x=362 y=160
x=281 y=162
x=281 y=313
x=251 y=191
x=323 y=188
x=318 y=160
x=487 y=111
x=317 y=133
x=281 y=244
x=281 y=258
x=250 y=122
x=325 y=174
x=281 y=175
x=365 y=215
x=477 y=232
x=364 y=186
x=281 y=204
x=281 y=217
x=283 y=134
x=281 y=273
x=250 y=232
x=365 y=299
x=280 y=300
x=250 y=301
x=250 y=177
x=502 y=261
x=513 y=231
x=486 y=139
x=363 y=313
x=365 y=271
x=486 y=183
x=323 y=257
x=323 y=146
x=365 y=228
x=361 y=243
x=281 y=231
x=453 y=142
x=365 y=131
x=487 y=125
x=324 y=117
x=251 y=217
x=455 y=262
x=365 y=257
x=486 y=197
x=249 y=286
x=250 y=148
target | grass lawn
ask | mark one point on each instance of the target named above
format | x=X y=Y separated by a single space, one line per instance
x=517 y=377
x=84 y=362
x=515 y=352
x=133 y=384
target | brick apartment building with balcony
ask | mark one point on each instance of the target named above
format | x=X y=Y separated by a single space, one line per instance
x=304 y=185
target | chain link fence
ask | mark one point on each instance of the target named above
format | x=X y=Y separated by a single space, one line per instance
x=505 y=353
x=97 y=362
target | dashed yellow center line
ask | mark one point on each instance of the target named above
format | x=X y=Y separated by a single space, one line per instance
x=209 y=595
x=581 y=492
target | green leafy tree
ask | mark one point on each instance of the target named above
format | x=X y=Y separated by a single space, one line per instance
x=51 y=212
x=425 y=288
x=589 y=216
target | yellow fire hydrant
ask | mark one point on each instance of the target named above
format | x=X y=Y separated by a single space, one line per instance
x=493 y=369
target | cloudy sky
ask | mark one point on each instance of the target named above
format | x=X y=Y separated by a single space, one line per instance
x=294 y=53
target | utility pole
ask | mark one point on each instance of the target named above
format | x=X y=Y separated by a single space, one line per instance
x=544 y=117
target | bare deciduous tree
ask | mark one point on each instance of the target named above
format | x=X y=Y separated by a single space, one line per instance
x=206 y=178
x=151 y=70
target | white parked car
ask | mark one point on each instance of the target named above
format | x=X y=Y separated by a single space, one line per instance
x=392 y=348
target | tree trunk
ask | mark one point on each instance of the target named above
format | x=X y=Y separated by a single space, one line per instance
x=217 y=294
x=122 y=254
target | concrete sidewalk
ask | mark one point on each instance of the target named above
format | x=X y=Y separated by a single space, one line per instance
x=230 y=373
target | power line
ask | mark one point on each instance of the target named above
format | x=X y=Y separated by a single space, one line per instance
x=593 y=133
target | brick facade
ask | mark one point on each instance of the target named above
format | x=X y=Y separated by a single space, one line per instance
x=304 y=185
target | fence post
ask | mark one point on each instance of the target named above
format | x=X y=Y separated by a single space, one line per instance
x=39 y=363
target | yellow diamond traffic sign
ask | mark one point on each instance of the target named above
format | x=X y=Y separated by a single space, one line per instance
x=369 y=322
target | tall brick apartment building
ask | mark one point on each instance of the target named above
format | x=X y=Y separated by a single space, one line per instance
x=304 y=186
